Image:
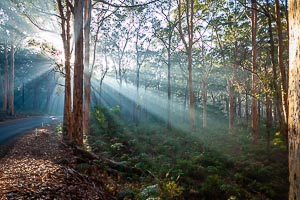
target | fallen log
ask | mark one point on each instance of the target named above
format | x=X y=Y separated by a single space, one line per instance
x=92 y=158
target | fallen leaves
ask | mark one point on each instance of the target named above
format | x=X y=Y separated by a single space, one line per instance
x=33 y=169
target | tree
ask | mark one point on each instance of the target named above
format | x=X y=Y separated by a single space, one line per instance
x=186 y=12
x=254 y=106
x=65 y=25
x=15 y=29
x=141 y=44
x=78 y=73
x=294 y=99
x=166 y=35
x=283 y=73
x=87 y=69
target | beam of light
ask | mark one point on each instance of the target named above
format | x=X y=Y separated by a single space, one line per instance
x=154 y=102
x=56 y=99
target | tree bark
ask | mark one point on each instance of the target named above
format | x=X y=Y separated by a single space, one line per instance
x=191 y=91
x=169 y=83
x=254 y=106
x=231 y=105
x=283 y=73
x=239 y=106
x=188 y=43
x=269 y=118
x=78 y=73
x=294 y=99
x=204 y=101
x=68 y=130
x=247 y=108
x=284 y=79
x=88 y=71
x=231 y=86
x=277 y=91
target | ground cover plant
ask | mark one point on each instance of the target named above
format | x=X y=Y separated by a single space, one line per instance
x=208 y=164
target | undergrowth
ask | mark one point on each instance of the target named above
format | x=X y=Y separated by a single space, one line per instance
x=207 y=164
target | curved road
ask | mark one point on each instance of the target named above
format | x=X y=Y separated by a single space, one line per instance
x=13 y=128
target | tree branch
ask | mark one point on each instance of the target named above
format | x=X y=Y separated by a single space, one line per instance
x=124 y=6
x=36 y=25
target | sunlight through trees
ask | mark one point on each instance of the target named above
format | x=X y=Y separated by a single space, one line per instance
x=222 y=71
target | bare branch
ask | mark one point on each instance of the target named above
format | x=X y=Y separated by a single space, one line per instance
x=38 y=26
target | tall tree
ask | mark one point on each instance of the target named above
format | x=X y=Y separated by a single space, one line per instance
x=141 y=44
x=165 y=34
x=65 y=25
x=78 y=73
x=87 y=69
x=283 y=73
x=186 y=11
x=254 y=107
x=294 y=99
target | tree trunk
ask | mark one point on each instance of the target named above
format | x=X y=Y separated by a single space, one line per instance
x=5 y=84
x=68 y=130
x=247 y=109
x=188 y=43
x=231 y=86
x=231 y=105
x=88 y=71
x=78 y=73
x=11 y=105
x=294 y=99
x=269 y=118
x=277 y=90
x=137 y=103
x=204 y=101
x=191 y=91
x=169 y=85
x=254 y=107
x=239 y=111
x=284 y=79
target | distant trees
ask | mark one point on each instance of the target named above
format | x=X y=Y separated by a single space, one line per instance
x=13 y=29
x=208 y=38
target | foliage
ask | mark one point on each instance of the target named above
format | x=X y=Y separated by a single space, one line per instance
x=171 y=190
x=107 y=119
x=181 y=167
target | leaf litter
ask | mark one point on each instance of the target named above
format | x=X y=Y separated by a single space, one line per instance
x=38 y=165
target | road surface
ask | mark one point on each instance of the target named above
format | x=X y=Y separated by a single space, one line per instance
x=13 y=128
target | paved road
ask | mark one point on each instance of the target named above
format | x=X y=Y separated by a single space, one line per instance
x=13 y=128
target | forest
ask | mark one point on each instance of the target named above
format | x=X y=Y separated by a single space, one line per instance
x=167 y=99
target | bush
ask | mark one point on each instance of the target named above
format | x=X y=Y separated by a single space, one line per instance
x=107 y=119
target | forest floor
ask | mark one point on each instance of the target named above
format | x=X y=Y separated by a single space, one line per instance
x=142 y=162
x=38 y=165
